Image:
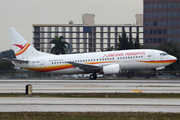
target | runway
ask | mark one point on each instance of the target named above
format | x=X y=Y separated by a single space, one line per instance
x=88 y=105
x=91 y=86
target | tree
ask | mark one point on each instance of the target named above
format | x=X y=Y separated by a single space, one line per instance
x=172 y=49
x=110 y=49
x=123 y=42
x=128 y=43
x=131 y=45
x=60 y=46
x=6 y=65
x=7 y=54
x=136 y=44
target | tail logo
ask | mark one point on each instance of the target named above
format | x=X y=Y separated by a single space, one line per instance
x=23 y=48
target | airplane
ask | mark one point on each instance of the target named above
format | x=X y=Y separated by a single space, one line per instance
x=111 y=62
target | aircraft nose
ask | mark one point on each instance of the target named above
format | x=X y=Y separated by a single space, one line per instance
x=173 y=58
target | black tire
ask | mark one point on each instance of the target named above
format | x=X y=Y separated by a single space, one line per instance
x=91 y=77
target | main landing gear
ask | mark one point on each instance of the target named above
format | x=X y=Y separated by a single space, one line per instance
x=93 y=76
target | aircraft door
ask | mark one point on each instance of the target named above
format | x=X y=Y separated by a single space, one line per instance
x=42 y=64
x=152 y=56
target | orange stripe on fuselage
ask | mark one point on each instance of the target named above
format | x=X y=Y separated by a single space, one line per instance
x=159 y=61
x=62 y=67
x=23 y=50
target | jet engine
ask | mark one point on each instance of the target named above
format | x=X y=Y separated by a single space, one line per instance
x=112 y=69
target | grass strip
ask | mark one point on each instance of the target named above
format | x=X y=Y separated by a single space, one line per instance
x=96 y=95
x=88 y=116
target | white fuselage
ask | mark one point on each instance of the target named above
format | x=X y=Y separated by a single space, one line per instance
x=126 y=59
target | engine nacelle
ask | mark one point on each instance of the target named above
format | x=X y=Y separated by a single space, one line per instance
x=112 y=69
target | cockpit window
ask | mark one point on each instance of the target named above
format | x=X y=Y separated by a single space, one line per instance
x=163 y=54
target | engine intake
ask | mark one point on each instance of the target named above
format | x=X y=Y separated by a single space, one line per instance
x=111 y=69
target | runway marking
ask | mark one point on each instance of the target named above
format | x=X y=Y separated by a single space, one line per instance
x=85 y=86
x=136 y=90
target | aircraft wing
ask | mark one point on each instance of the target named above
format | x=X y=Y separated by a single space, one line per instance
x=86 y=67
x=16 y=60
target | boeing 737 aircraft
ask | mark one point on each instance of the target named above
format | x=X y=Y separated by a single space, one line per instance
x=113 y=62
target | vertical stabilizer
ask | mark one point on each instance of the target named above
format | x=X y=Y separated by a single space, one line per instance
x=22 y=48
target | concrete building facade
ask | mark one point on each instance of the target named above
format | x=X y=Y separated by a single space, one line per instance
x=161 y=22
x=86 y=37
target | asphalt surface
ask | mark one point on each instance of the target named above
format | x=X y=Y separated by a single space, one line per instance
x=28 y=104
x=91 y=86
x=88 y=105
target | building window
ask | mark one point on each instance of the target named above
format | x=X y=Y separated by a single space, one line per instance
x=159 y=31
x=169 y=23
x=179 y=31
x=155 y=6
x=169 y=5
x=146 y=40
x=146 y=32
x=174 y=5
x=169 y=14
x=164 y=5
x=146 y=15
x=155 y=40
x=150 y=40
x=150 y=31
x=159 y=23
x=159 y=6
x=179 y=22
x=164 y=23
x=175 y=40
x=155 y=31
x=150 y=23
x=174 y=14
x=179 y=5
x=146 y=6
x=155 y=23
x=169 y=31
x=164 y=14
x=159 y=14
x=150 y=14
x=164 y=40
x=169 y=39
x=155 y=14
x=164 y=31
x=174 y=22
x=159 y=40
x=150 y=6
x=175 y=31
x=179 y=14
x=146 y=23
x=179 y=40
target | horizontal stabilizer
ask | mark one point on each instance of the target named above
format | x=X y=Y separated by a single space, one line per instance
x=16 y=60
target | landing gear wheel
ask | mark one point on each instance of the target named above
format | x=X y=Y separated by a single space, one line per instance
x=93 y=77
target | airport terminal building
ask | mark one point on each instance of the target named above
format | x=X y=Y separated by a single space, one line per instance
x=161 y=22
x=86 y=37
